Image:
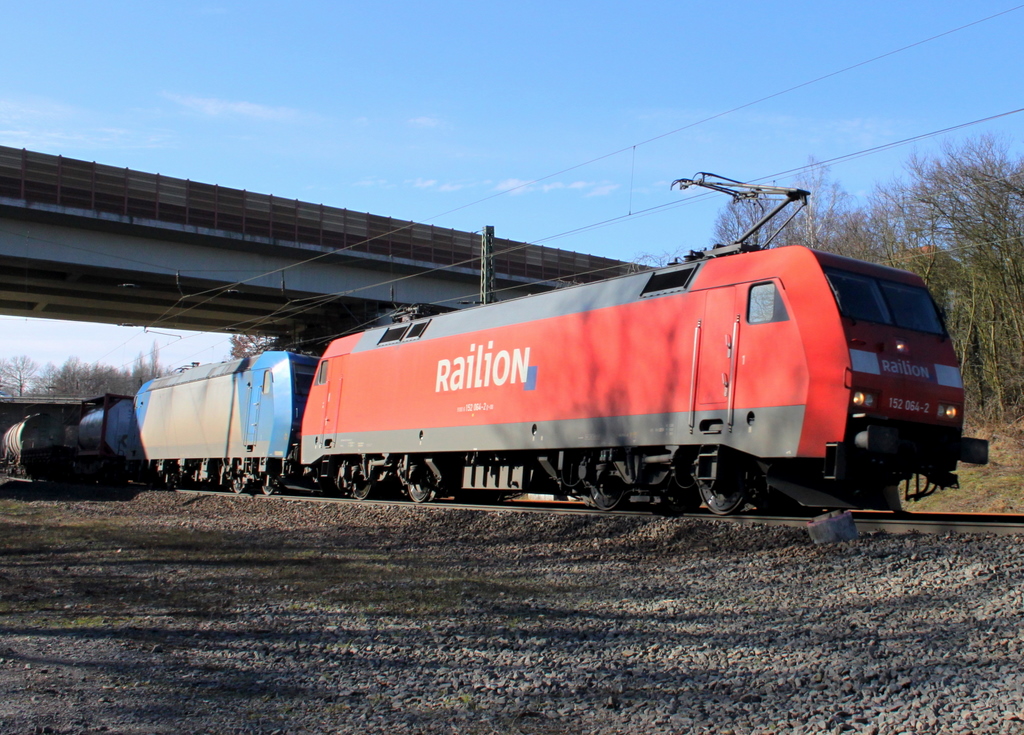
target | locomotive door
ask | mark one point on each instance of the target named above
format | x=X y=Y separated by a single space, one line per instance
x=259 y=383
x=332 y=403
x=716 y=363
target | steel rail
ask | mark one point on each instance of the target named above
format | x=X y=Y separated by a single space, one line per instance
x=865 y=521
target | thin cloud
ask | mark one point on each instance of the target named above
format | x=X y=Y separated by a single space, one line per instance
x=214 y=107
x=602 y=190
x=372 y=182
x=425 y=122
x=587 y=188
x=42 y=124
x=435 y=185
x=515 y=186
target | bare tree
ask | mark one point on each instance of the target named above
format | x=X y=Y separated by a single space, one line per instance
x=81 y=379
x=958 y=221
x=17 y=373
x=831 y=221
x=248 y=345
x=737 y=217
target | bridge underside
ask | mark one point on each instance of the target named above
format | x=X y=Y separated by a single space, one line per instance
x=82 y=241
x=55 y=270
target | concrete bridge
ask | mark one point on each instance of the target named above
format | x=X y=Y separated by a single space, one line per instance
x=87 y=242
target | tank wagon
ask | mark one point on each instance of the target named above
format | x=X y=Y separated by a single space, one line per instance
x=36 y=448
x=108 y=439
x=102 y=444
x=231 y=424
x=739 y=376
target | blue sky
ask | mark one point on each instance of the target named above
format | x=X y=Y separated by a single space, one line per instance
x=428 y=111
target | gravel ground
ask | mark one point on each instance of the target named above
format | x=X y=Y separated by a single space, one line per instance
x=149 y=612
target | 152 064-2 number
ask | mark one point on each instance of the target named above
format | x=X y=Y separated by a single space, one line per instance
x=904 y=404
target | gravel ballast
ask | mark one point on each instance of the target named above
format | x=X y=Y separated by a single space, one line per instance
x=155 y=612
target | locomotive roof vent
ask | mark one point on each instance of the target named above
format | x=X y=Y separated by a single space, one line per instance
x=393 y=334
x=739 y=191
x=664 y=282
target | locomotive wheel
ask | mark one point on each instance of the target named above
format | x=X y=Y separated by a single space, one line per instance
x=420 y=492
x=722 y=501
x=238 y=484
x=269 y=485
x=607 y=493
x=893 y=497
x=419 y=481
x=732 y=489
x=363 y=488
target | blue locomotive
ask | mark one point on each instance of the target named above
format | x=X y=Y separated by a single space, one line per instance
x=230 y=424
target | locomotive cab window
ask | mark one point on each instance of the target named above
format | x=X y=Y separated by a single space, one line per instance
x=870 y=299
x=303 y=379
x=859 y=296
x=912 y=307
x=268 y=382
x=765 y=305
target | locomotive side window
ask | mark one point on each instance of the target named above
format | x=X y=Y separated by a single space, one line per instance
x=321 y=376
x=859 y=296
x=268 y=382
x=765 y=305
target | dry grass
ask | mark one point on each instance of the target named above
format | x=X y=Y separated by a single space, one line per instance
x=997 y=487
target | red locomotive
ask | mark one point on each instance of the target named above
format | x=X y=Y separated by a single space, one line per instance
x=736 y=377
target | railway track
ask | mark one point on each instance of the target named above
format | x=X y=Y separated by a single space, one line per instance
x=866 y=521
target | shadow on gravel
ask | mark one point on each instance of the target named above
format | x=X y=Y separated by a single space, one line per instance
x=28 y=490
x=316 y=619
x=547 y=653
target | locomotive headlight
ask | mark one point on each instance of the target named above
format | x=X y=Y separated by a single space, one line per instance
x=948 y=411
x=863 y=399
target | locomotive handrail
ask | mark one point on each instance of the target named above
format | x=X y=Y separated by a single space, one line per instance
x=732 y=369
x=693 y=375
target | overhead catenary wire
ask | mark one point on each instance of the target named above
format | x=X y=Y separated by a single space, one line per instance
x=303 y=305
x=596 y=159
x=669 y=205
x=316 y=301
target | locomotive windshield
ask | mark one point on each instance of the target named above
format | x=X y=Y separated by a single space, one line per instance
x=885 y=302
